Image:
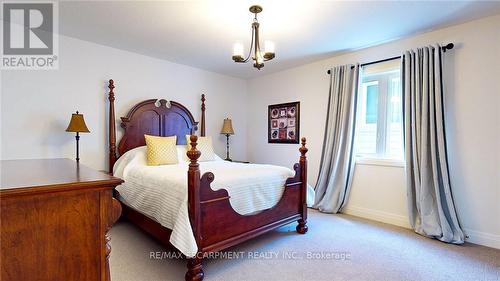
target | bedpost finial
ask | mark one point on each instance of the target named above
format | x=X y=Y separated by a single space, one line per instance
x=193 y=154
x=203 y=102
x=303 y=149
x=111 y=86
x=193 y=139
x=202 y=133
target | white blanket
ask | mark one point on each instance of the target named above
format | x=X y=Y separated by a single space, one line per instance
x=160 y=192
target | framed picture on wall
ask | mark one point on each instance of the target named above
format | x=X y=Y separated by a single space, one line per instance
x=283 y=123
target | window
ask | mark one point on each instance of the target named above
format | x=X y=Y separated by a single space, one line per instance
x=379 y=128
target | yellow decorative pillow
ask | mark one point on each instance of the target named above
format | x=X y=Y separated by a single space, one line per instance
x=161 y=150
x=204 y=145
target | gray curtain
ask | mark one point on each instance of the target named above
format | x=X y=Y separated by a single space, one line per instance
x=337 y=163
x=430 y=202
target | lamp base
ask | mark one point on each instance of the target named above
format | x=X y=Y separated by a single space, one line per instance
x=229 y=159
x=77 y=137
x=227 y=148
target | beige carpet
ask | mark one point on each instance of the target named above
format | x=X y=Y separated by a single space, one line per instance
x=337 y=247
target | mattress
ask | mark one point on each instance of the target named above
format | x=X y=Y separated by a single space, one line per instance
x=160 y=192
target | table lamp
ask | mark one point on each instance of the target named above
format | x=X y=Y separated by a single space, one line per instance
x=227 y=129
x=77 y=125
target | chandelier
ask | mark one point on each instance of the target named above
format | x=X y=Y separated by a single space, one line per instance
x=257 y=56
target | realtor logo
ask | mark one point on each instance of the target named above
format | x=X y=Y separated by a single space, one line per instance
x=29 y=34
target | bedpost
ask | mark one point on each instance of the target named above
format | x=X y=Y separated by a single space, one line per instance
x=195 y=270
x=112 y=127
x=302 y=226
x=202 y=133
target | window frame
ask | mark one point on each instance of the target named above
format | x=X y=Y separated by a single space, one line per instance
x=380 y=157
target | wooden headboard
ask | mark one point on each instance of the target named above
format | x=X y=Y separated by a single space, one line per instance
x=152 y=117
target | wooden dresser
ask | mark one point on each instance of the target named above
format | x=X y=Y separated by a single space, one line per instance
x=55 y=214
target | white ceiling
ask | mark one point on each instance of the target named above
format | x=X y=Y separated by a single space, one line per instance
x=201 y=33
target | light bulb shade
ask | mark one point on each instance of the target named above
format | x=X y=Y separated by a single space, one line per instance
x=259 y=59
x=269 y=47
x=227 y=127
x=77 y=124
x=238 y=50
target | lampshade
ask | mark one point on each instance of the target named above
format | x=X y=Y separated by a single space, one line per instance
x=77 y=124
x=227 y=127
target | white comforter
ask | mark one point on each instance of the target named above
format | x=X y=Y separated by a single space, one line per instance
x=160 y=192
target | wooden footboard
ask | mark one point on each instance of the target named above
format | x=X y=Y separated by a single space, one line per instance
x=217 y=226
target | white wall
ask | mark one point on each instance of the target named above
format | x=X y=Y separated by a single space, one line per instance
x=472 y=124
x=36 y=105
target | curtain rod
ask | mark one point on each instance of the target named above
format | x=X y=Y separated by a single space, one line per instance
x=448 y=46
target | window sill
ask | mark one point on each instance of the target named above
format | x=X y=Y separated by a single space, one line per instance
x=380 y=162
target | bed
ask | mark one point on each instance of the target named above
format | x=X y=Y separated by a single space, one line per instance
x=199 y=207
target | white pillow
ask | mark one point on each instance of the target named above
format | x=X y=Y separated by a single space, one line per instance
x=182 y=156
x=181 y=153
x=204 y=144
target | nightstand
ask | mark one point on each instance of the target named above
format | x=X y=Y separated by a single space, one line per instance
x=236 y=161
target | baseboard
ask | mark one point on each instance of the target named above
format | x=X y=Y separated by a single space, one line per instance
x=377 y=215
x=482 y=238
x=472 y=236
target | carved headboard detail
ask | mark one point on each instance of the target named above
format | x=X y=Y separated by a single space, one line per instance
x=152 y=117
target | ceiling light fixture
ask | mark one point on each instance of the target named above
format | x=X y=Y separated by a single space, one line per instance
x=257 y=57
